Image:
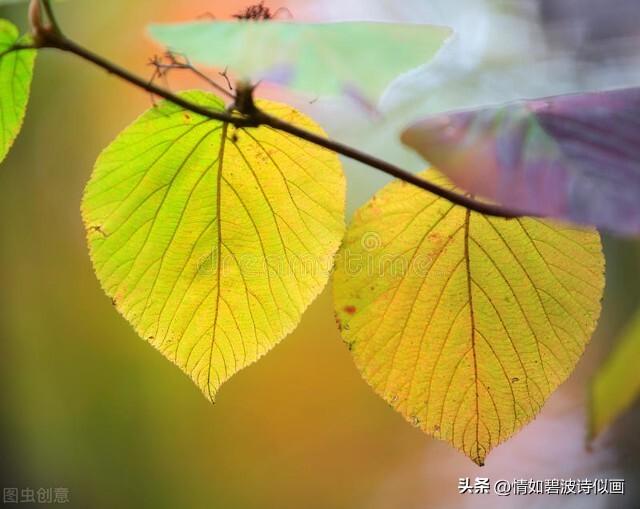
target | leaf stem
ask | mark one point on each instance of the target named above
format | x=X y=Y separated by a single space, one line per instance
x=244 y=113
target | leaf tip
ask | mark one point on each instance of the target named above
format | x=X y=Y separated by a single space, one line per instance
x=478 y=454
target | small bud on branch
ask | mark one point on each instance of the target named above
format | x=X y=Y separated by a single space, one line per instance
x=35 y=18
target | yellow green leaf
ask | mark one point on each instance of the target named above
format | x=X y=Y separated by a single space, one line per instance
x=212 y=241
x=617 y=384
x=16 y=73
x=464 y=323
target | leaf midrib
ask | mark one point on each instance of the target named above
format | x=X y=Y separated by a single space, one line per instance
x=467 y=221
x=219 y=250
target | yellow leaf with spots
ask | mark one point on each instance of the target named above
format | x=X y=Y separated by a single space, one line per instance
x=212 y=241
x=464 y=323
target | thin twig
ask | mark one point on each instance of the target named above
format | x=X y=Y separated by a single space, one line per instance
x=226 y=78
x=174 y=63
x=250 y=116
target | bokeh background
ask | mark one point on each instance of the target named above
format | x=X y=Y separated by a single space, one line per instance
x=89 y=406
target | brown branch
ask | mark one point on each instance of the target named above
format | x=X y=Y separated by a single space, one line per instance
x=248 y=115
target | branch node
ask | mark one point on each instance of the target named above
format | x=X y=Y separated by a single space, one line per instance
x=42 y=23
x=244 y=102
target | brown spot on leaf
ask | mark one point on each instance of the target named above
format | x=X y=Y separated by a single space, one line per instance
x=350 y=310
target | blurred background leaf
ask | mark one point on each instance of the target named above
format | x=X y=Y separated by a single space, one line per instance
x=317 y=58
x=569 y=157
x=616 y=384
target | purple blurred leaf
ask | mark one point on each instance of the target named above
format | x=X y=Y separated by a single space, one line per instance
x=573 y=157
